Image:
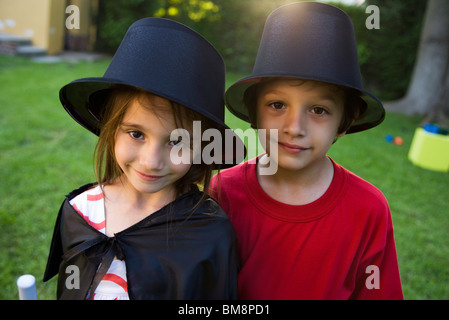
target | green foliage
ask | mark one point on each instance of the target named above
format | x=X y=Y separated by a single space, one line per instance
x=237 y=34
x=222 y=22
x=195 y=10
x=116 y=16
x=388 y=54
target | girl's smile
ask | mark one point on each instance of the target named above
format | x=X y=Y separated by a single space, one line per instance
x=148 y=177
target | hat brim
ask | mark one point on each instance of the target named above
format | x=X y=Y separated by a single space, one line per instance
x=83 y=100
x=373 y=116
x=77 y=98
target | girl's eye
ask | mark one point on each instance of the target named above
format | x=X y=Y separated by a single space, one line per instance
x=174 y=142
x=136 y=135
x=319 y=111
x=277 y=105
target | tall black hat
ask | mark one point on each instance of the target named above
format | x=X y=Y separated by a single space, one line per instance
x=165 y=58
x=311 y=41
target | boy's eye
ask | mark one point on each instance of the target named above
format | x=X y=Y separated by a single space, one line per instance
x=277 y=105
x=136 y=135
x=319 y=110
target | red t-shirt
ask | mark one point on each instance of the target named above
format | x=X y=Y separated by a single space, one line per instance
x=340 y=246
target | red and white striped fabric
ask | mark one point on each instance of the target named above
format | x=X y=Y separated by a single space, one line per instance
x=90 y=205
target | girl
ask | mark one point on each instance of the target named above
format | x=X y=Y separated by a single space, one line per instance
x=144 y=230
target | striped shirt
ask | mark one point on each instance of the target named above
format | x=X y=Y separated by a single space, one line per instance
x=90 y=205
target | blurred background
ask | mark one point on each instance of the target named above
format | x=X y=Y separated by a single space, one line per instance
x=44 y=154
x=234 y=27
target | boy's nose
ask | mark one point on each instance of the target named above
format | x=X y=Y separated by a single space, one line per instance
x=295 y=123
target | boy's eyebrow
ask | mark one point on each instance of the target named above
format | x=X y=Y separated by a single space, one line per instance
x=326 y=96
x=272 y=91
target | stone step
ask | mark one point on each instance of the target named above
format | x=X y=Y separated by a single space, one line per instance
x=20 y=46
x=21 y=41
x=30 y=51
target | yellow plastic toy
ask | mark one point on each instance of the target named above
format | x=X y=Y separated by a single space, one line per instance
x=430 y=150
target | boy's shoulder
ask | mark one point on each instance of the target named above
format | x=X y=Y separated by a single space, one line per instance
x=361 y=184
x=235 y=173
x=227 y=181
x=362 y=192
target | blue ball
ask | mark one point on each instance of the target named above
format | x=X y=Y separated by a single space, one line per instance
x=389 y=138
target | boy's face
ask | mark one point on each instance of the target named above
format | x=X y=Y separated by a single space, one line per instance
x=306 y=114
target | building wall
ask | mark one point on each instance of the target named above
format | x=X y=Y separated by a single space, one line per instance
x=56 y=26
x=44 y=22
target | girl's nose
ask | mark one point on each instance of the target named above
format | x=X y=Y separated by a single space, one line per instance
x=152 y=156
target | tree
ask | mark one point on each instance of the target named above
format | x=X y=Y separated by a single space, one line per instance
x=194 y=10
x=115 y=16
x=428 y=91
x=387 y=55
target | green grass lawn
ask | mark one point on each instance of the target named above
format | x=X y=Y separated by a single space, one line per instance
x=44 y=154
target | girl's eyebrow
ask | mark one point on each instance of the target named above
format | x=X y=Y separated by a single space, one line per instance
x=127 y=125
x=137 y=127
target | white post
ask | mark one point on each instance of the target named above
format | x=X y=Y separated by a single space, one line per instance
x=27 y=287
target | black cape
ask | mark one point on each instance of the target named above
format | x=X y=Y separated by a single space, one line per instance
x=171 y=254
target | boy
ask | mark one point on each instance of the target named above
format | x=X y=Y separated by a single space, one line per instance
x=311 y=230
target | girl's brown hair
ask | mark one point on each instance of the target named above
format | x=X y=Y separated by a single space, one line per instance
x=116 y=103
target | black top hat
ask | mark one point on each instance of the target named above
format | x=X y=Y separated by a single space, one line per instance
x=163 y=57
x=312 y=41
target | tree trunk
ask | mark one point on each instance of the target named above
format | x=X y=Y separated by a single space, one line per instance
x=428 y=92
x=440 y=114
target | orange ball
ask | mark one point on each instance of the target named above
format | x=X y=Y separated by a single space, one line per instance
x=398 y=141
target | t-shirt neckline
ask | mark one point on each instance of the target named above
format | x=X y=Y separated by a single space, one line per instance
x=294 y=213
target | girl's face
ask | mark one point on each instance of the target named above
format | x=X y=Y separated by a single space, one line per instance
x=142 y=148
x=306 y=114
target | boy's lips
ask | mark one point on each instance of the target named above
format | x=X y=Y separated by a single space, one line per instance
x=148 y=177
x=292 y=148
